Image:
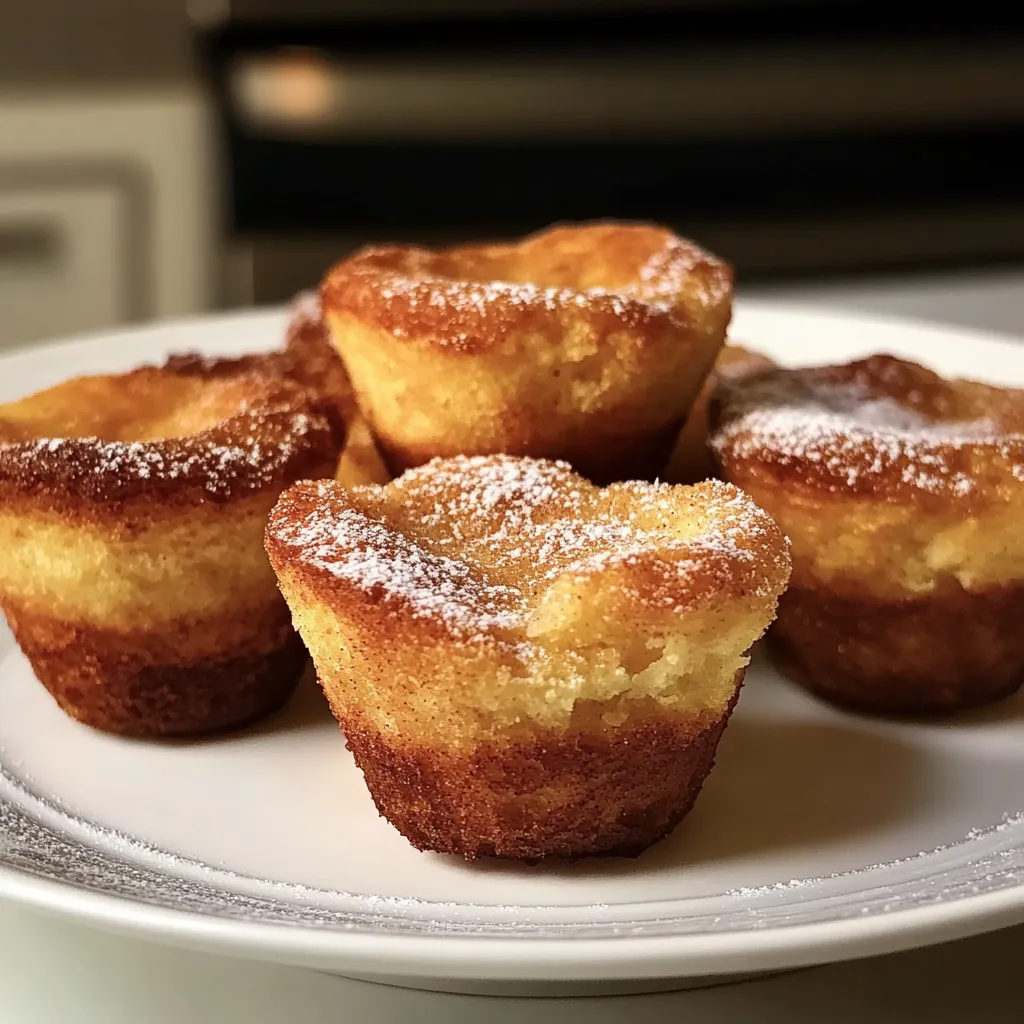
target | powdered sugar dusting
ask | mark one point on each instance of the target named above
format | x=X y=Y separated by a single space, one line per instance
x=474 y=541
x=249 y=450
x=452 y=300
x=354 y=547
x=843 y=431
x=617 y=275
x=1010 y=822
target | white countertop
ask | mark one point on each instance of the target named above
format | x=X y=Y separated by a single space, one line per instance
x=54 y=972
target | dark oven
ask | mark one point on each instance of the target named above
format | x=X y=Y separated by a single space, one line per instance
x=792 y=138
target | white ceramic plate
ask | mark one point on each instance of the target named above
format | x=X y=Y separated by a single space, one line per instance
x=819 y=836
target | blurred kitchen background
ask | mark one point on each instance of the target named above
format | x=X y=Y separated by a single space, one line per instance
x=161 y=158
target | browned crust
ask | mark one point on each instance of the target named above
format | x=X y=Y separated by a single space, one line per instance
x=150 y=685
x=470 y=297
x=497 y=800
x=921 y=469
x=925 y=655
x=311 y=360
x=755 y=562
x=281 y=433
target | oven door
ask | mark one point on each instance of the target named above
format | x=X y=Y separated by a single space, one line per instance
x=791 y=146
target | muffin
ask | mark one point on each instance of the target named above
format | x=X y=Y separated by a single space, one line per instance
x=691 y=459
x=903 y=495
x=132 y=570
x=526 y=665
x=587 y=343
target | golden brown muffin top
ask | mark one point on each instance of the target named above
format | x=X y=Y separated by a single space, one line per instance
x=466 y=298
x=508 y=549
x=881 y=427
x=184 y=432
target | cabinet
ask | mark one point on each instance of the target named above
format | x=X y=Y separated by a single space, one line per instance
x=106 y=212
x=64 y=260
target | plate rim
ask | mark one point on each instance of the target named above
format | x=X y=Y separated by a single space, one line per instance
x=484 y=958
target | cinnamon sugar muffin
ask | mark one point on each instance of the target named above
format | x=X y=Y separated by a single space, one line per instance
x=524 y=664
x=691 y=458
x=584 y=342
x=132 y=573
x=903 y=494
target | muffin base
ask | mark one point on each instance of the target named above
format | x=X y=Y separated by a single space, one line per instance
x=136 y=685
x=545 y=795
x=950 y=650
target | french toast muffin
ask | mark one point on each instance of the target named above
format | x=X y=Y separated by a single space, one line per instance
x=903 y=495
x=526 y=665
x=587 y=343
x=691 y=459
x=132 y=570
